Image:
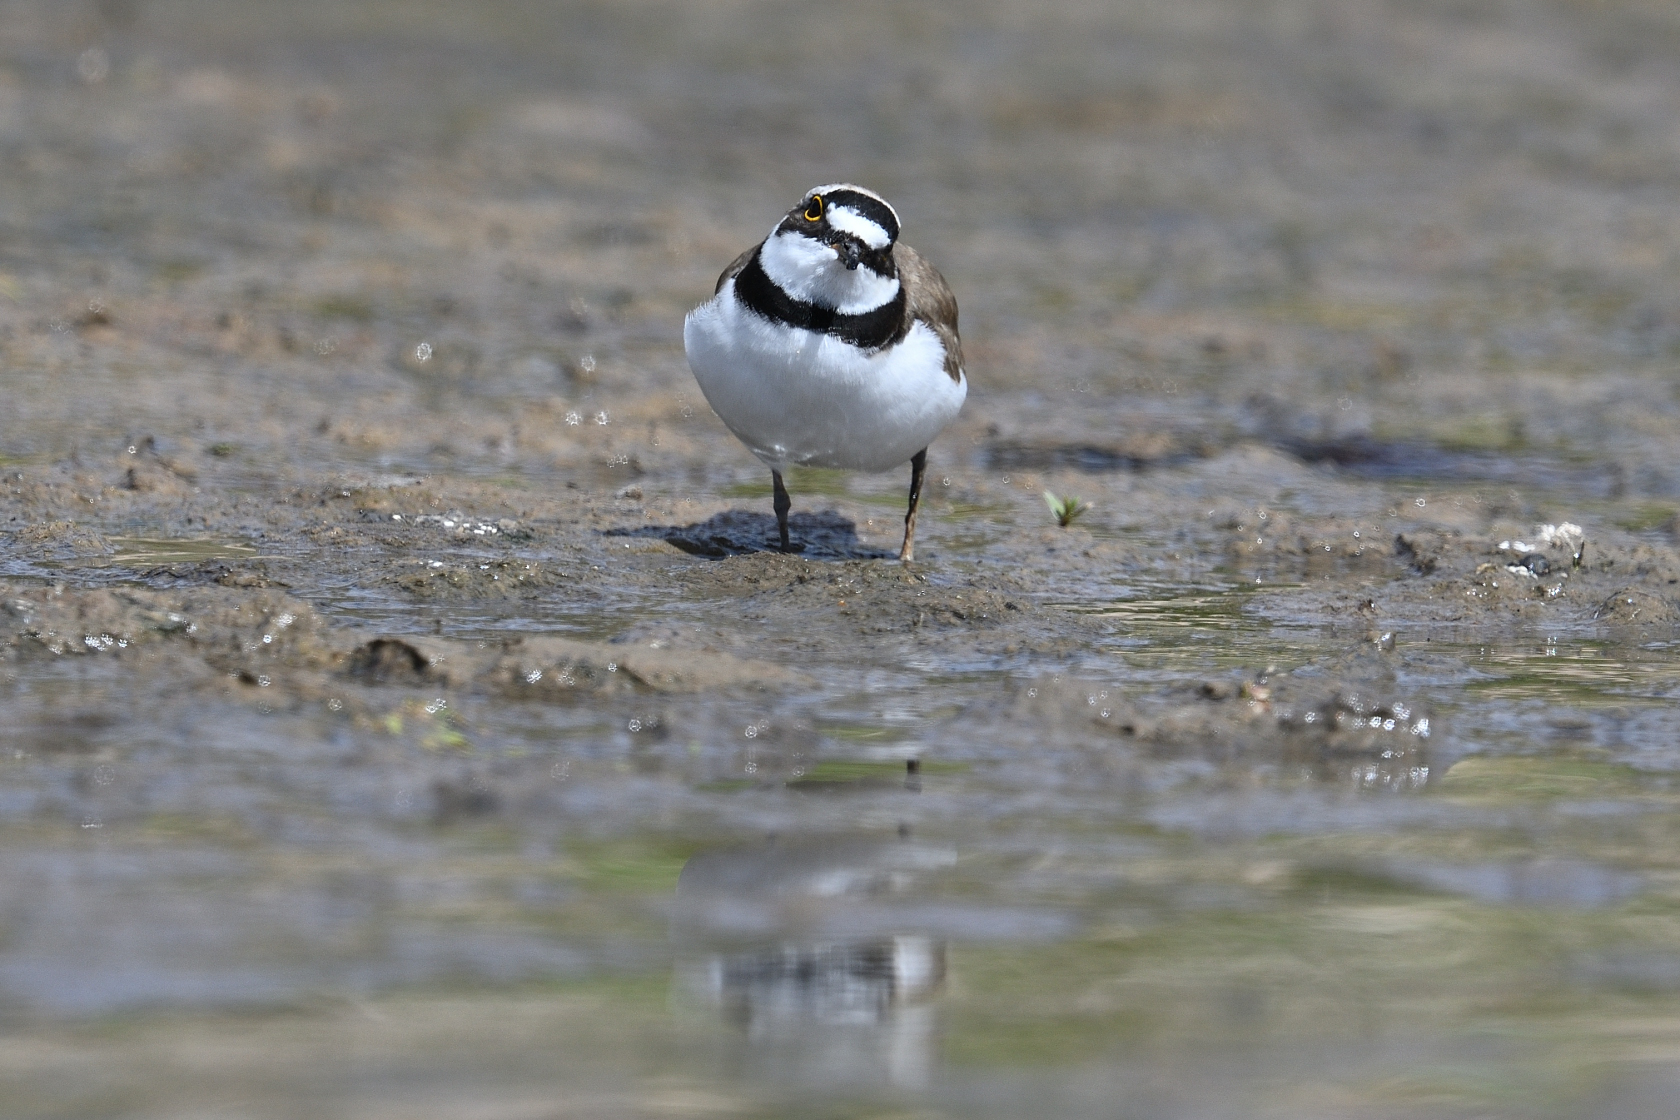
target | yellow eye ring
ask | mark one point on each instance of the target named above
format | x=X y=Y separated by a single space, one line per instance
x=813 y=209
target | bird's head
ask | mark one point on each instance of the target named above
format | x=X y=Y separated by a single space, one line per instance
x=855 y=223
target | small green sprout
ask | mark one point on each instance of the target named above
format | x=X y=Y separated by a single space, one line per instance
x=1066 y=510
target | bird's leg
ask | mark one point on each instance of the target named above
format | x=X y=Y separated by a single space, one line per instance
x=783 y=504
x=918 y=468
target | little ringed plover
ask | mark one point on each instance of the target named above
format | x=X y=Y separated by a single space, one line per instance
x=832 y=344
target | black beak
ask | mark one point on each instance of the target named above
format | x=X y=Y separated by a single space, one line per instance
x=851 y=252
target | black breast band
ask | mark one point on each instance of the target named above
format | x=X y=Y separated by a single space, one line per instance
x=871 y=330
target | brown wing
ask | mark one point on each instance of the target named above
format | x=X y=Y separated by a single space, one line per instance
x=930 y=300
x=735 y=267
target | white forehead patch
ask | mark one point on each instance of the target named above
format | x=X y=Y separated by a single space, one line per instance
x=847 y=220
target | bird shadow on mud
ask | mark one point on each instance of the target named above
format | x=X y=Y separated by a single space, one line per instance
x=824 y=535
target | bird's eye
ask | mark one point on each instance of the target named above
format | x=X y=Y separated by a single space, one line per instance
x=813 y=209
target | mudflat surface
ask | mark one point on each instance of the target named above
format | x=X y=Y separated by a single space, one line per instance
x=402 y=712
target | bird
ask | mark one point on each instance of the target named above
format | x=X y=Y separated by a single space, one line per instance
x=832 y=344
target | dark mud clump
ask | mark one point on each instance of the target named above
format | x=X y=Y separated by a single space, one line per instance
x=499 y=578
x=862 y=596
x=60 y=540
x=1347 y=715
x=269 y=638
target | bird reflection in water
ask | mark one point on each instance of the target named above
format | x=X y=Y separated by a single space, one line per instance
x=795 y=945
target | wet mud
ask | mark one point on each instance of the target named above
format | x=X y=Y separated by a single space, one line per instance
x=404 y=708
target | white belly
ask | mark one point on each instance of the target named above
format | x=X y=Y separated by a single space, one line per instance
x=796 y=397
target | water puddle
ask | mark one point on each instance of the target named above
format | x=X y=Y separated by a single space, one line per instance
x=1091 y=458
x=1189 y=610
x=151 y=552
x=1203 y=627
x=1410 y=461
x=1528 y=883
x=142 y=554
x=473 y=619
x=1571 y=672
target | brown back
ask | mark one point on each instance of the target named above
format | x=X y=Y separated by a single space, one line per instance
x=931 y=302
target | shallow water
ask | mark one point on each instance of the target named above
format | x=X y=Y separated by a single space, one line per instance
x=401 y=729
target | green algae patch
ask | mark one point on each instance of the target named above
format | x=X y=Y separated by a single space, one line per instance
x=640 y=865
x=1525 y=777
x=837 y=774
